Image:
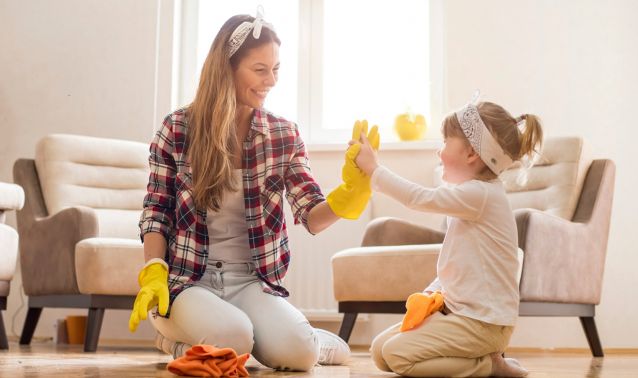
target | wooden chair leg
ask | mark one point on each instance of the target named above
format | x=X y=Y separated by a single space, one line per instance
x=4 y=341
x=93 y=327
x=589 y=326
x=347 y=324
x=33 y=315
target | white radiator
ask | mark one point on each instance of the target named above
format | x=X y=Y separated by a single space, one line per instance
x=309 y=277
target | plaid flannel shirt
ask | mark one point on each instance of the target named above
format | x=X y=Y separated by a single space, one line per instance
x=274 y=159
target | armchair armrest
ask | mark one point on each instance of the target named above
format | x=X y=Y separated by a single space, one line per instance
x=11 y=197
x=564 y=260
x=47 y=250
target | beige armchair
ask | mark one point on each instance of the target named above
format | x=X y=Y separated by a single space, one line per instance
x=79 y=236
x=11 y=198
x=563 y=214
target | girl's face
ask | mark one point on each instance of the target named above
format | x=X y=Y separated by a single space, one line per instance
x=458 y=160
x=256 y=75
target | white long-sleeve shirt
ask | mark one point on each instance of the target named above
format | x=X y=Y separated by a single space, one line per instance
x=477 y=267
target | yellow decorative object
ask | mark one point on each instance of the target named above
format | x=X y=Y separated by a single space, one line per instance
x=410 y=126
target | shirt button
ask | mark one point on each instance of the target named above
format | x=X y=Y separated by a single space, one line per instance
x=218 y=264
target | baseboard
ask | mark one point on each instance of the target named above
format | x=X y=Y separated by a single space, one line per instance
x=365 y=348
x=584 y=351
x=35 y=339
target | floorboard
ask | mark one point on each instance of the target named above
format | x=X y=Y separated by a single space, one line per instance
x=45 y=359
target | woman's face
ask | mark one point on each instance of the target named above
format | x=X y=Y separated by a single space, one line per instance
x=256 y=74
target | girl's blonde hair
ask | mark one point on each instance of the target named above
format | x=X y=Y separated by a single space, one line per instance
x=504 y=128
x=212 y=140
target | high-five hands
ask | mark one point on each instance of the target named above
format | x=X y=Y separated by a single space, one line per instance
x=153 y=280
x=368 y=145
x=350 y=198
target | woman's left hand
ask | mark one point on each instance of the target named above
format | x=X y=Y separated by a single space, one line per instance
x=350 y=198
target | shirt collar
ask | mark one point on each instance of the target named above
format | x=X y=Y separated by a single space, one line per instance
x=259 y=122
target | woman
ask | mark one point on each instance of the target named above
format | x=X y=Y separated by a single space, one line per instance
x=213 y=225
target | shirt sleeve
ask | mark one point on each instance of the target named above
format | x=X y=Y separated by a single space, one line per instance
x=159 y=201
x=434 y=286
x=302 y=192
x=465 y=201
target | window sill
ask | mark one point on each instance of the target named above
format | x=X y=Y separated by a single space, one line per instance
x=425 y=144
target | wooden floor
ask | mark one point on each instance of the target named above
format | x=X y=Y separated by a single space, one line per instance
x=45 y=359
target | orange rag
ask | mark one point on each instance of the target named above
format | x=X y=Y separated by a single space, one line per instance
x=209 y=361
x=419 y=306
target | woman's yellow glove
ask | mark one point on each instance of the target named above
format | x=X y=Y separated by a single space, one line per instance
x=350 y=198
x=153 y=280
x=419 y=306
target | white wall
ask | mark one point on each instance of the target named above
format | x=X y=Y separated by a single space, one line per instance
x=89 y=67
x=79 y=67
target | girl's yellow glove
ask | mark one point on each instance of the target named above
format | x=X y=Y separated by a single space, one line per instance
x=153 y=280
x=350 y=198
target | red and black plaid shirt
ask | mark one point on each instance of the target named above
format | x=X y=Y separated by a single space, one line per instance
x=274 y=159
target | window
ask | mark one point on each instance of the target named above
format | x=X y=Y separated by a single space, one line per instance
x=340 y=60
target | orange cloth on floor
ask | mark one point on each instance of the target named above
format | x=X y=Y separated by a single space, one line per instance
x=419 y=306
x=209 y=361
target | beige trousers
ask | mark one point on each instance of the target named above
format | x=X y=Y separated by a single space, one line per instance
x=443 y=346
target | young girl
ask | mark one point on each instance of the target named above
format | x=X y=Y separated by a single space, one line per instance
x=477 y=266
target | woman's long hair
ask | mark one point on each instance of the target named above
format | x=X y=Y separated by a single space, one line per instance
x=212 y=140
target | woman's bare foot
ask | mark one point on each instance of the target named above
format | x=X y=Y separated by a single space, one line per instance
x=506 y=367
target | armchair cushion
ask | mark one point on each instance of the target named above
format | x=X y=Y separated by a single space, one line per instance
x=108 y=265
x=404 y=270
x=108 y=175
x=554 y=183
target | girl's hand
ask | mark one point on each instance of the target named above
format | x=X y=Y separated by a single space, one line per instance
x=367 y=159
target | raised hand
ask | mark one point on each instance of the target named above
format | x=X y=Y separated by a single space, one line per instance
x=350 y=198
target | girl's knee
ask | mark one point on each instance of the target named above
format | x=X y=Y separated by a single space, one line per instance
x=375 y=352
x=377 y=344
x=394 y=356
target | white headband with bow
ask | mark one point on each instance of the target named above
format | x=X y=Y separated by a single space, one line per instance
x=481 y=139
x=241 y=32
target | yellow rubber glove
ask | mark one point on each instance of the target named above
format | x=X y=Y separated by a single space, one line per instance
x=153 y=280
x=419 y=306
x=350 y=198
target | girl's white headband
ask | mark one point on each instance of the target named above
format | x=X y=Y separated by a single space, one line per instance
x=481 y=139
x=241 y=32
